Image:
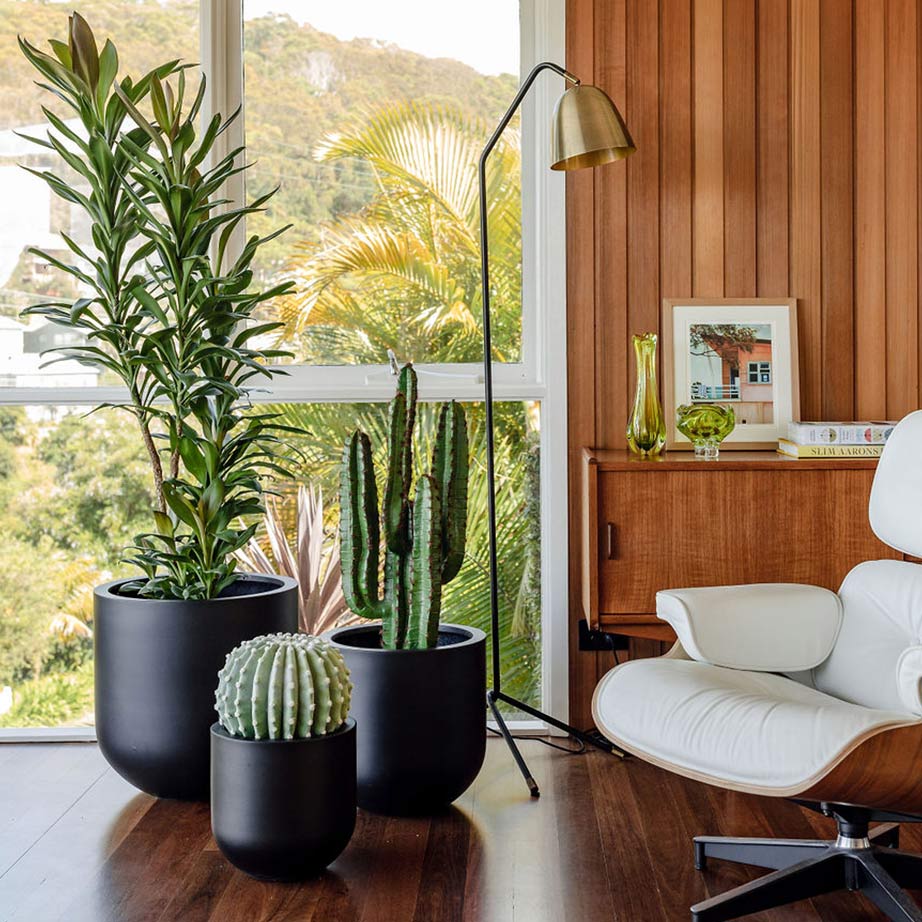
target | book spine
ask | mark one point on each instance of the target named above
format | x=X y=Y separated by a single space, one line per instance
x=829 y=451
x=818 y=434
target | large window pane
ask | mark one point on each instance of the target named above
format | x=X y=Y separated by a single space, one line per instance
x=466 y=600
x=146 y=33
x=74 y=491
x=372 y=135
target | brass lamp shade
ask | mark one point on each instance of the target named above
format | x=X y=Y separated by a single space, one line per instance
x=587 y=130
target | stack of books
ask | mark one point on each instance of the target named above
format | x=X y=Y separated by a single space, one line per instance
x=835 y=440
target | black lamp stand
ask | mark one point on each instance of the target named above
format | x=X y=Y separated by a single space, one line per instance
x=496 y=695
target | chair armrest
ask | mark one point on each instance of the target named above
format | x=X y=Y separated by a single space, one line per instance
x=764 y=627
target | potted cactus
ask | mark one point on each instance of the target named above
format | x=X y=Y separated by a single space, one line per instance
x=419 y=684
x=283 y=757
x=169 y=314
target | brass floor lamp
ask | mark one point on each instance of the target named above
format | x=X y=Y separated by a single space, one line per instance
x=587 y=131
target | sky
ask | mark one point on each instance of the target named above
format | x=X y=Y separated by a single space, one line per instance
x=481 y=33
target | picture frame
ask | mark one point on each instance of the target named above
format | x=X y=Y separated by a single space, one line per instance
x=738 y=352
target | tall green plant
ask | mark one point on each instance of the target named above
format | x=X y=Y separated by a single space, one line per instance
x=423 y=537
x=168 y=311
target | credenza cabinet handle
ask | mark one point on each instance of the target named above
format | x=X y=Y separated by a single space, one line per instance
x=611 y=551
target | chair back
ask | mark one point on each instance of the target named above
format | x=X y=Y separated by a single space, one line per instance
x=895 y=509
x=877 y=659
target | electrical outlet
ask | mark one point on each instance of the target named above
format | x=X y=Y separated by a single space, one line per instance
x=590 y=639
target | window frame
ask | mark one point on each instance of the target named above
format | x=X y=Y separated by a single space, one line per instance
x=544 y=328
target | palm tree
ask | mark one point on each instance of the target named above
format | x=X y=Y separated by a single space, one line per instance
x=466 y=599
x=404 y=273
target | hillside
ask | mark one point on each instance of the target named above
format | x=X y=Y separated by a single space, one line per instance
x=300 y=84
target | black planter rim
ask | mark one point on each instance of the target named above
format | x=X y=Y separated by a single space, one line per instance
x=275 y=585
x=217 y=730
x=339 y=637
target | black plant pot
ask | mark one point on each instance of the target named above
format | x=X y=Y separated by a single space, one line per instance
x=422 y=717
x=157 y=668
x=283 y=809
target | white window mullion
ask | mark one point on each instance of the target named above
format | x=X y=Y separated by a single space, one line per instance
x=544 y=284
x=221 y=31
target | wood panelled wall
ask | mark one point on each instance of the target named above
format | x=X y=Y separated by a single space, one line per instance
x=778 y=154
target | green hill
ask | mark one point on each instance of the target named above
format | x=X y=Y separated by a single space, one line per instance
x=300 y=84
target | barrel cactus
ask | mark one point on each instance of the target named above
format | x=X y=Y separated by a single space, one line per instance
x=283 y=687
x=423 y=537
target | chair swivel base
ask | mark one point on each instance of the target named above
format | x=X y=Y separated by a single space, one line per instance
x=861 y=858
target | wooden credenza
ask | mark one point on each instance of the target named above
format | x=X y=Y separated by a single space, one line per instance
x=748 y=517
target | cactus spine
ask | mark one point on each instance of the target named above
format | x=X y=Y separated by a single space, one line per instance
x=283 y=686
x=423 y=537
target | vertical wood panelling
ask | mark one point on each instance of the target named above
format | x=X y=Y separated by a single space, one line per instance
x=902 y=208
x=806 y=272
x=870 y=212
x=612 y=340
x=773 y=139
x=836 y=132
x=739 y=148
x=778 y=155
x=676 y=146
x=581 y=372
x=643 y=267
x=707 y=56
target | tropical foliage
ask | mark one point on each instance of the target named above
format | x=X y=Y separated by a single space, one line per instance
x=310 y=559
x=75 y=489
x=168 y=307
x=403 y=274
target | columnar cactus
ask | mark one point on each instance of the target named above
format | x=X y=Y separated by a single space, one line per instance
x=283 y=686
x=423 y=537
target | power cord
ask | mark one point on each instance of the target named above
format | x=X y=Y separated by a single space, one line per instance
x=576 y=750
x=580 y=748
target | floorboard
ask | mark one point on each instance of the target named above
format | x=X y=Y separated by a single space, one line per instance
x=608 y=841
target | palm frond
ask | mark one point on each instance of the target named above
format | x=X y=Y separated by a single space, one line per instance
x=404 y=273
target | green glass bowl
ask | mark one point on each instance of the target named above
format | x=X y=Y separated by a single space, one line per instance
x=705 y=425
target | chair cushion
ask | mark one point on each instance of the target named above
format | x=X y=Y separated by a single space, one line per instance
x=753 y=731
x=768 y=627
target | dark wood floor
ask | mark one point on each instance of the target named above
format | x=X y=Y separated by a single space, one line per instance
x=607 y=841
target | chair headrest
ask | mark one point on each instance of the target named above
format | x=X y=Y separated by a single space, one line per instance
x=896 y=496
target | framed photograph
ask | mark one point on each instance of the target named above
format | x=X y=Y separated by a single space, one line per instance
x=737 y=352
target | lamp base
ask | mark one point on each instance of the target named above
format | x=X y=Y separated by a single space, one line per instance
x=493 y=699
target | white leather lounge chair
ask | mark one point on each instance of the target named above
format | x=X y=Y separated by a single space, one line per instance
x=793 y=691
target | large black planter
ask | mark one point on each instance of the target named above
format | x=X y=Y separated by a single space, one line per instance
x=157 y=668
x=283 y=809
x=421 y=717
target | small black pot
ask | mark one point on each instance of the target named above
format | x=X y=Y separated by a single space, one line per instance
x=283 y=809
x=422 y=714
x=157 y=668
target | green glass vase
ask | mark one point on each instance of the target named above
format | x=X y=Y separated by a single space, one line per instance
x=705 y=425
x=646 y=427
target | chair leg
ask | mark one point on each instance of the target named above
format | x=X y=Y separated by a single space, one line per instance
x=883 y=891
x=904 y=867
x=761 y=853
x=818 y=874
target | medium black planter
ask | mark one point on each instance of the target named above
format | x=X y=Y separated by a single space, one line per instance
x=283 y=809
x=421 y=714
x=157 y=668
